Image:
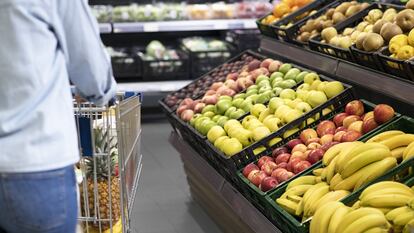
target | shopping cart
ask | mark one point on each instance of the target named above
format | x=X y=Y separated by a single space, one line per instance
x=111 y=162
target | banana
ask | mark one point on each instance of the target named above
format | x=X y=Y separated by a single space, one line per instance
x=330 y=170
x=409 y=227
x=353 y=152
x=385 y=135
x=409 y=151
x=303 y=180
x=308 y=193
x=299 y=210
x=366 y=222
x=317 y=194
x=398 y=153
x=383 y=185
x=356 y=205
x=318 y=172
x=411 y=203
x=403 y=219
x=396 y=212
x=298 y=190
x=323 y=174
x=335 y=180
x=328 y=197
x=354 y=215
x=385 y=200
x=329 y=208
x=385 y=210
x=337 y=218
x=377 y=230
x=363 y=159
x=289 y=206
x=398 y=141
x=319 y=179
x=378 y=169
x=294 y=198
x=391 y=190
x=334 y=151
x=344 y=153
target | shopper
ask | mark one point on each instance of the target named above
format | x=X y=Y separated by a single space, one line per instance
x=43 y=44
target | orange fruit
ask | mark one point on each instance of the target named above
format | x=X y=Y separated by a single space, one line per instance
x=281 y=9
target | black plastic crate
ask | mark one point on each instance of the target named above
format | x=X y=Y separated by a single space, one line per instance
x=265 y=29
x=126 y=65
x=166 y=69
x=394 y=66
x=244 y=39
x=364 y=58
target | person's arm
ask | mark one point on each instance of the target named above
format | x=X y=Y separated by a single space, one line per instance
x=88 y=63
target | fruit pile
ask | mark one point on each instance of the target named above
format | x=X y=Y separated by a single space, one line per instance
x=332 y=16
x=201 y=86
x=381 y=207
x=310 y=147
x=284 y=8
x=347 y=167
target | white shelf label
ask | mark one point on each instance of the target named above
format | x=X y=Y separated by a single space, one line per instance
x=151 y=27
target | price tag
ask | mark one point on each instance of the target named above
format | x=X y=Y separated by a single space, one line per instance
x=151 y=27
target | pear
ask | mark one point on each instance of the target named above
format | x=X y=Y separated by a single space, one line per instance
x=378 y=25
x=410 y=5
x=372 y=42
x=405 y=19
x=329 y=33
x=360 y=40
x=389 y=30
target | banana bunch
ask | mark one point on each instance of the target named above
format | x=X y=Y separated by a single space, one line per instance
x=335 y=217
x=400 y=143
x=117 y=228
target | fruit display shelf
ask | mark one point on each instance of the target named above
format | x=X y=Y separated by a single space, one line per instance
x=105 y=28
x=257 y=196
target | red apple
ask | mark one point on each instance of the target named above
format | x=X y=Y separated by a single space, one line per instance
x=266 y=62
x=299 y=147
x=315 y=155
x=232 y=76
x=339 y=118
x=312 y=140
x=215 y=86
x=292 y=143
x=328 y=145
x=314 y=145
x=325 y=127
x=383 y=113
x=299 y=154
x=307 y=134
x=256 y=177
x=277 y=172
x=327 y=138
x=268 y=183
x=292 y=162
x=210 y=92
x=350 y=119
x=355 y=107
x=368 y=115
x=199 y=107
x=282 y=165
x=301 y=166
x=279 y=151
x=369 y=125
x=283 y=158
x=341 y=128
x=244 y=83
x=285 y=176
x=350 y=136
x=249 y=168
x=211 y=99
x=187 y=115
x=268 y=167
x=306 y=154
x=356 y=126
x=181 y=109
x=338 y=136
x=186 y=101
x=263 y=160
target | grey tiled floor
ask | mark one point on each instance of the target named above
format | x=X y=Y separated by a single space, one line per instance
x=163 y=203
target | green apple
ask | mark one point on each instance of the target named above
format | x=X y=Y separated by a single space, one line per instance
x=292 y=73
x=321 y=86
x=231 y=146
x=229 y=111
x=277 y=83
x=215 y=132
x=260 y=133
x=310 y=78
x=222 y=120
x=304 y=86
x=257 y=109
x=275 y=103
x=198 y=122
x=246 y=105
x=206 y=125
x=219 y=141
x=264 y=114
x=237 y=114
x=216 y=118
x=277 y=90
x=209 y=114
x=261 y=78
x=263 y=83
x=239 y=96
x=302 y=94
x=264 y=97
x=237 y=102
x=288 y=94
x=315 y=84
x=273 y=123
x=290 y=132
x=231 y=123
x=285 y=68
x=276 y=80
x=288 y=83
x=223 y=105
x=282 y=110
x=245 y=137
x=209 y=108
x=194 y=118
x=251 y=92
x=253 y=98
x=316 y=98
x=276 y=75
x=333 y=88
x=303 y=107
x=252 y=87
x=301 y=76
x=225 y=97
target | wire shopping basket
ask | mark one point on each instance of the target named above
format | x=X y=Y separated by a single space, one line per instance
x=110 y=165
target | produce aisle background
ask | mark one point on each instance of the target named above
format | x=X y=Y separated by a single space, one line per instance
x=164 y=203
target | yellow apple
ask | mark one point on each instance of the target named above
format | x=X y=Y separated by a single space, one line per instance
x=257 y=109
x=215 y=132
x=281 y=111
x=292 y=115
x=260 y=133
x=333 y=88
x=232 y=123
x=275 y=103
x=316 y=98
x=264 y=114
x=315 y=84
x=272 y=123
x=288 y=94
x=231 y=146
